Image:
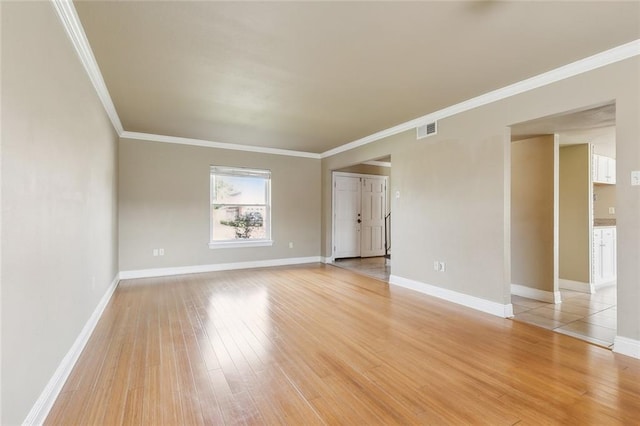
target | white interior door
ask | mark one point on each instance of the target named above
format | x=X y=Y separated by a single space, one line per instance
x=347 y=198
x=373 y=209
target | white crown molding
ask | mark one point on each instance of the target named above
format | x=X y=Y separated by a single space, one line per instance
x=72 y=25
x=581 y=66
x=378 y=163
x=221 y=145
x=487 y=306
x=40 y=410
x=71 y=22
x=626 y=346
x=196 y=269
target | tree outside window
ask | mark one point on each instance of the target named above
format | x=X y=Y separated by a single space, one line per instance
x=240 y=206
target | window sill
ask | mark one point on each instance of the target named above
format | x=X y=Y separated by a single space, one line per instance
x=238 y=244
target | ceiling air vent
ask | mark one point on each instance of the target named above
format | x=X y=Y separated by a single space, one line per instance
x=427 y=130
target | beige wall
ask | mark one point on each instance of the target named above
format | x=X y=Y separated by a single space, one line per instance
x=574 y=244
x=164 y=203
x=604 y=197
x=454 y=186
x=532 y=213
x=59 y=208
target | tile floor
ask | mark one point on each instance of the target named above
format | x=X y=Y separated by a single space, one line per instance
x=375 y=267
x=590 y=317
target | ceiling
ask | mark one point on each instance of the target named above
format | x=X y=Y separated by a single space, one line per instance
x=574 y=127
x=311 y=76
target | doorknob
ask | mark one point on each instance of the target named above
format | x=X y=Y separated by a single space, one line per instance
x=359 y=221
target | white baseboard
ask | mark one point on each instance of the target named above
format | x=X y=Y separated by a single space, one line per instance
x=535 y=294
x=47 y=398
x=626 y=346
x=580 y=286
x=196 y=269
x=493 y=308
x=598 y=286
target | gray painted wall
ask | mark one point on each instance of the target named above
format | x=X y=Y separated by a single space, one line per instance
x=164 y=203
x=454 y=189
x=59 y=206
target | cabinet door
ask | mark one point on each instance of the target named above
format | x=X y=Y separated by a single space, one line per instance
x=611 y=170
x=608 y=254
x=603 y=169
x=594 y=168
x=597 y=256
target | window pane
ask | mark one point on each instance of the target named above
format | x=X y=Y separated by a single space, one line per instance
x=239 y=223
x=239 y=190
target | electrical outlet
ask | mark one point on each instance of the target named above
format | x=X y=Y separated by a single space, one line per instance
x=612 y=210
x=155 y=252
x=635 y=178
x=442 y=267
x=161 y=252
x=290 y=244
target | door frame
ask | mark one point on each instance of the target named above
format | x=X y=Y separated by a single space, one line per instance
x=335 y=174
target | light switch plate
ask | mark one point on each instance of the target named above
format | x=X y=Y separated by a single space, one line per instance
x=635 y=178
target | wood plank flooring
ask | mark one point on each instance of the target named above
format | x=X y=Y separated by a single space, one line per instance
x=316 y=344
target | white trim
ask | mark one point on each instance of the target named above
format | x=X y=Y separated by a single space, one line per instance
x=45 y=401
x=240 y=243
x=196 y=269
x=579 y=286
x=493 y=308
x=626 y=346
x=71 y=23
x=535 y=294
x=598 y=286
x=220 y=145
x=378 y=163
x=590 y=63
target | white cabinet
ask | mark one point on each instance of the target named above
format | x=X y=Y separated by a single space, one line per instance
x=603 y=169
x=604 y=255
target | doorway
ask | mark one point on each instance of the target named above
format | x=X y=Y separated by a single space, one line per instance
x=569 y=217
x=359 y=215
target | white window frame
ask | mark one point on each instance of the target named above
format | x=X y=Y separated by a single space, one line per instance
x=246 y=172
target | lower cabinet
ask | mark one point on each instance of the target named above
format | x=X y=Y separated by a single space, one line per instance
x=604 y=255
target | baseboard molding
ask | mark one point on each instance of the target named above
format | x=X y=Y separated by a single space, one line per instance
x=535 y=294
x=627 y=346
x=579 y=286
x=487 y=306
x=598 y=286
x=47 y=398
x=196 y=269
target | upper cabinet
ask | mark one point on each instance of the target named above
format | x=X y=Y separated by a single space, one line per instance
x=603 y=169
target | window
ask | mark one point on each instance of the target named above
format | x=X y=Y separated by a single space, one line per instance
x=240 y=207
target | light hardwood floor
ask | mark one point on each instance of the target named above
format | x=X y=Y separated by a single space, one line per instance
x=316 y=344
